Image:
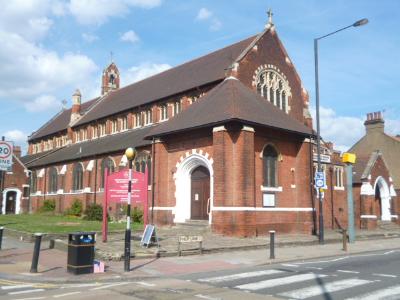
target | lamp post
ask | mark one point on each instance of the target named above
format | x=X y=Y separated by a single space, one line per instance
x=319 y=169
x=130 y=154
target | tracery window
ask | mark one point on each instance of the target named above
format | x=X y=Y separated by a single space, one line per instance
x=142 y=161
x=270 y=164
x=339 y=177
x=273 y=87
x=33 y=182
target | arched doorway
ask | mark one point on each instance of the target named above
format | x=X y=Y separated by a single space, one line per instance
x=11 y=201
x=188 y=166
x=200 y=193
x=382 y=195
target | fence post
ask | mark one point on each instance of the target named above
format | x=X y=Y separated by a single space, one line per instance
x=1 y=236
x=36 y=251
x=272 y=244
x=344 y=239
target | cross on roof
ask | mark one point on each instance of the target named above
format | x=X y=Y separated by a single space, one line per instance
x=270 y=14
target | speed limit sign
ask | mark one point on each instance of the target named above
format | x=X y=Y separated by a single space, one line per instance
x=6 y=152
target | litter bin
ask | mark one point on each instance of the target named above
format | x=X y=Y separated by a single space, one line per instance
x=81 y=252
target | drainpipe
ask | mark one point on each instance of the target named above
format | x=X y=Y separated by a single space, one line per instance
x=152 y=179
x=331 y=171
x=314 y=216
x=95 y=182
x=45 y=183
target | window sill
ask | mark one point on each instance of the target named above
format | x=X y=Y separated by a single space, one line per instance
x=338 y=188
x=271 y=189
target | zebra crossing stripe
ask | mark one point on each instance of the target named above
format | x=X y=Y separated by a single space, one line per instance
x=321 y=289
x=26 y=292
x=240 y=276
x=380 y=294
x=18 y=286
x=279 y=281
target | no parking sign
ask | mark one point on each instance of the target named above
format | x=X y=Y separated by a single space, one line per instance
x=6 y=152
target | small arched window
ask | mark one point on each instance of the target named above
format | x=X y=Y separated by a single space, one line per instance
x=270 y=163
x=106 y=164
x=77 y=177
x=53 y=180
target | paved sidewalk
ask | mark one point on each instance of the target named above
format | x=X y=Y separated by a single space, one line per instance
x=220 y=253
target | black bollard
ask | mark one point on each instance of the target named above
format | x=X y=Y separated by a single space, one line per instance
x=1 y=236
x=36 y=251
x=272 y=244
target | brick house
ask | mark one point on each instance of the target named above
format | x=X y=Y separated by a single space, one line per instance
x=14 y=186
x=376 y=178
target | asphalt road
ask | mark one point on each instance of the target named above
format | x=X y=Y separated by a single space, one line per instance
x=362 y=276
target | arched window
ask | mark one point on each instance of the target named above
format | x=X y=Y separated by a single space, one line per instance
x=270 y=163
x=108 y=164
x=53 y=180
x=33 y=182
x=142 y=161
x=274 y=87
x=77 y=177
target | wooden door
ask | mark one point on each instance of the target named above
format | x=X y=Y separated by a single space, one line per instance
x=200 y=193
x=11 y=198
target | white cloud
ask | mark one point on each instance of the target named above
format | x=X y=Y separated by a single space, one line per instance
x=144 y=70
x=204 y=14
x=16 y=136
x=215 y=24
x=130 y=36
x=29 y=70
x=99 y=11
x=90 y=38
x=43 y=103
x=343 y=131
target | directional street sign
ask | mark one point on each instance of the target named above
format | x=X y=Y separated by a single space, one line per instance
x=319 y=179
x=6 y=152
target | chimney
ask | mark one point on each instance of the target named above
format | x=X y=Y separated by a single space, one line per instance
x=17 y=151
x=76 y=106
x=374 y=122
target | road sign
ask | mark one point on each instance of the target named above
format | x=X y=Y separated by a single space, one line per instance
x=319 y=179
x=6 y=152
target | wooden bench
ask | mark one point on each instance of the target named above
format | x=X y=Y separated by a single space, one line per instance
x=184 y=239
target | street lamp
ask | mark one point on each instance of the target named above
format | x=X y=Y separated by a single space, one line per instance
x=321 y=216
x=130 y=154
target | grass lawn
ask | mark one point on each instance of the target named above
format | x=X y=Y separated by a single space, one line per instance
x=56 y=224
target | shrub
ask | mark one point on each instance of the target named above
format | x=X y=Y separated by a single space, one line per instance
x=136 y=214
x=75 y=209
x=49 y=205
x=94 y=212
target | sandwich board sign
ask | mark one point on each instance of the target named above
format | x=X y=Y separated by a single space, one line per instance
x=6 y=154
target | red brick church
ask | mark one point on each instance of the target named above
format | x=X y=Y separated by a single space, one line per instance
x=227 y=138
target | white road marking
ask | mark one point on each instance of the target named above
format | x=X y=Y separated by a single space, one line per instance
x=26 y=292
x=289 y=265
x=384 y=275
x=380 y=294
x=206 y=297
x=317 y=290
x=314 y=268
x=109 y=285
x=348 y=271
x=80 y=285
x=323 y=261
x=18 y=286
x=33 y=298
x=279 y=281
x=66 y=294
x=240 y=276
x=144 y=283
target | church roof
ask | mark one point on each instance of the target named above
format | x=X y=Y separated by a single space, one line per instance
x=196 y=73
x=364 y=165
x=59 y=122
x=108 y=144
x=231 y=100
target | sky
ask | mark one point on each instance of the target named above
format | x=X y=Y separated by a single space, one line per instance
x=50 y=48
